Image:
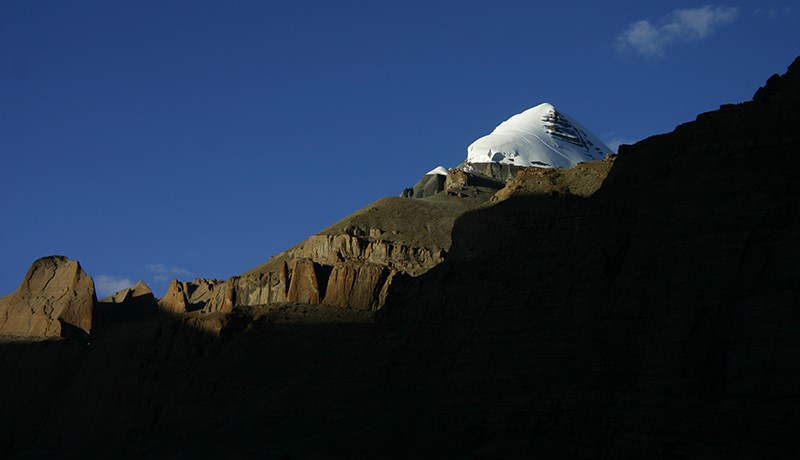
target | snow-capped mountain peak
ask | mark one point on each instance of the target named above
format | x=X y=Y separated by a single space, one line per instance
x=540 y=136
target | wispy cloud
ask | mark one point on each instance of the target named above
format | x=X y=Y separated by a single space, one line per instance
x=774 y=12
x=105 y=285
x=163 y=272
x=646 y=39
x=616 y=141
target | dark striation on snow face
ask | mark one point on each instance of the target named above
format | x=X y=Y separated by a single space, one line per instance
x=655 y=318
x=557 y=126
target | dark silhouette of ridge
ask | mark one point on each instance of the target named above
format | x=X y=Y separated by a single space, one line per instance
x=656 y=318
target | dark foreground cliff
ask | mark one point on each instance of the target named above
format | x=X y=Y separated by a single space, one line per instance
x=655 y=318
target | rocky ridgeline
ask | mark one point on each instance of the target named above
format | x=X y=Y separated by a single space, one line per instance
x=135 y=302
x=352 y=264
x=583 y=180
x=208 y=295
x=655 y=318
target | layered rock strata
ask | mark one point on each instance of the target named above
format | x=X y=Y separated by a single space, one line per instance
x=348 y=265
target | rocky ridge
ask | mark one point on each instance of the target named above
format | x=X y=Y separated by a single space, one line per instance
x=352 y=263
x=132 y=303
x=653 y=318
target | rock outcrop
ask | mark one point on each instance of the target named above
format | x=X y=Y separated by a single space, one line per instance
x=175 y=300
x=56 y=299
x=501 y=173
x=135 y=302
x=199 y=294
x=304 y=285
x=466 y=180
x=140 y=291
x=428 y=185
x=348 y=265
x=352 y=263
x=582 y=180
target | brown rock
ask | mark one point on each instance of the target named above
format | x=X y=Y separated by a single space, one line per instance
x=199 y=291
x=56 y=299
x=581 y=180
x=357 y=286
x=198 y=294
x=262 y=288
x=304 y=287
x=135 y=302
x=140 y=289
x=456 y=180
x=175 y=300
x=222 y=297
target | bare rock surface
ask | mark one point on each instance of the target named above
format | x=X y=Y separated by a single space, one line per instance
x=428 y=185
x=176 y=299
x=56 y=299
x=582 y=180
x=209 y=295
x=140 y=289
x=132 y=303
x=352 y=262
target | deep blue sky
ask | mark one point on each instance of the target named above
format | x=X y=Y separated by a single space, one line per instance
x=152 y=139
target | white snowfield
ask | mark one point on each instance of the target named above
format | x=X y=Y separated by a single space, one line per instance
x=540 y=136
x=439 y=170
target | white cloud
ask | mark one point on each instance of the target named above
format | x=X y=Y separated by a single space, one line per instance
x=646 y=39
x=105 y=285
x=163 y=272
x=616 y=141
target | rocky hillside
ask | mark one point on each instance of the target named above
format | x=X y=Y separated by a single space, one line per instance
x=652 y=316
x=352 y=263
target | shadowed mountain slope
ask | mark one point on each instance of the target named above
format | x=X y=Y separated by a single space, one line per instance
x=656 y=318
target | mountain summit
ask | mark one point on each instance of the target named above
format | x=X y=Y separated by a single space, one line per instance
x=540 y=136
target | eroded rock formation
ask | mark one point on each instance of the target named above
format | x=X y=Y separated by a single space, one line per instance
x=135 y=302
x=199 y=294
x=175 y=300
x=352 y=263
x=349 y=264
x=583 y=180
x=56 y=299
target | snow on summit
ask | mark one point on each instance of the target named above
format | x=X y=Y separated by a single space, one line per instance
x=540 y=136
x=437 y=171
